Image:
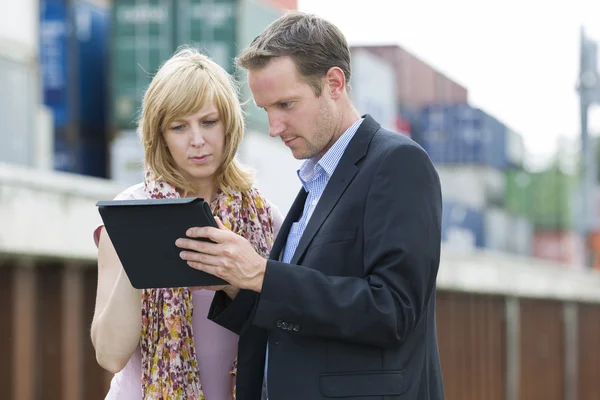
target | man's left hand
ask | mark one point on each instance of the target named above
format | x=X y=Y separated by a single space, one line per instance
x=230 y=257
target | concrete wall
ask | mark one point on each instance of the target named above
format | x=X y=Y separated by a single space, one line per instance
x=52 y=215
x=48 y=214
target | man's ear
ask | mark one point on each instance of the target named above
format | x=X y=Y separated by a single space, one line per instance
x=335 y=82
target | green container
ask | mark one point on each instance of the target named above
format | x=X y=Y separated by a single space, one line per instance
x=518 y=189
x=147 y=34
x=142 y=39
x=542 y=197
x=210 y=26
x=254 y=18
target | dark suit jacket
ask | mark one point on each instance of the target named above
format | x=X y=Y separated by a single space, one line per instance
x=354 y=315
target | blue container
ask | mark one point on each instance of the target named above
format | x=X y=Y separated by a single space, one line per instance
x=92 y=157
x=92 y=27
x=74 y=52
x=461 y=134
x=464 y=222
x=54 y=49
x=84 y=156
x=497 y=151
x=66 y=156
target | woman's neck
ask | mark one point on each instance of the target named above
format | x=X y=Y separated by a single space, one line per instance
x=208 y=192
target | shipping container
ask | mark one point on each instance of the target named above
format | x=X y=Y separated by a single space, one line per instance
x=543 y=197
x=417 y=83
x=461 y=134
x=596 y=208
x=515 y=149
x=283 y=5
x=403 y=126
x=518 y=192
x=254 y=16
x=462 y=226
x=73 y=54
x=18 y=112
x=563 y=246
x=594 y=246
x=73 y=59
x=54 y=57
x=142 y=38
x=497 y=229
x=92 y=29
x=44 y=148
x=372 y=88
x=210 y=26
x=127 y=158
x=473 y=186
x=552 y=195
x=280 y=185
x=409 y=120
x=147 y=34
x=19 y=29
x=520 y=238
x=498 y=145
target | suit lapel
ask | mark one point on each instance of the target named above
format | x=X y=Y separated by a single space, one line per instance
x=339 y=181
x=292 y=216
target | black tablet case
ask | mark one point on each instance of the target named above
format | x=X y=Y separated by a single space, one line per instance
x=144 y=232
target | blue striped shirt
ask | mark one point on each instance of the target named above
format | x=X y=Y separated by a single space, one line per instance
x=314 y=175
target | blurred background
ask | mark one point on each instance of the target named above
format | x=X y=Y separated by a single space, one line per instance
x=503 y=96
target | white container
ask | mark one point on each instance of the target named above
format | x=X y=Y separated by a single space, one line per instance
x=372 y=87
x=19 y=101
x=44 y=146
x=520 y=238
x=19 y=30
x=474 y=186
x=497 y=225
x=515 y=148
x=127 y=159
x=275 y=168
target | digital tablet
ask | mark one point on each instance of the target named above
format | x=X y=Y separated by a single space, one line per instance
x=144 y=232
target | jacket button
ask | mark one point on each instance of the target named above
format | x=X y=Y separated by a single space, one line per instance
x=284 y=325
x=279 y=323
x=296 y=328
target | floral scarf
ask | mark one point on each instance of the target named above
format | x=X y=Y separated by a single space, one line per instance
x=169 y=365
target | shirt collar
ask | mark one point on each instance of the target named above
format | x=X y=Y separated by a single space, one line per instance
x=314 y=166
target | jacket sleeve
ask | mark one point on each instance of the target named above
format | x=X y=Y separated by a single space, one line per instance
x=232 y=314
x=402 y=234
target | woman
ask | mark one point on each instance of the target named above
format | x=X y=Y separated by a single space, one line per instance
x=159 y=343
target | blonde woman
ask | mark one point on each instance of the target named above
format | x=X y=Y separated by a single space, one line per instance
x=159 y=343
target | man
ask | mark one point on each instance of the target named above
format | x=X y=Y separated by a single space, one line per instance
x=345 y=306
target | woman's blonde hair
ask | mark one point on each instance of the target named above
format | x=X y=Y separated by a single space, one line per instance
x=182 y=86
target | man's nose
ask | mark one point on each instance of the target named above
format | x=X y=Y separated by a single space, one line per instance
x=276 y=126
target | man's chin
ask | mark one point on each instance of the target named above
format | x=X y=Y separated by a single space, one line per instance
x=300 y=155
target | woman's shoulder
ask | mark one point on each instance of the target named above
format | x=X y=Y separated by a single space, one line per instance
x=135 y=192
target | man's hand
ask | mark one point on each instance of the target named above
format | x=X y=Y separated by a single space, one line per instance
x=230 y=257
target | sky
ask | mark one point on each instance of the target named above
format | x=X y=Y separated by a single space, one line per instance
x=519 y=59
